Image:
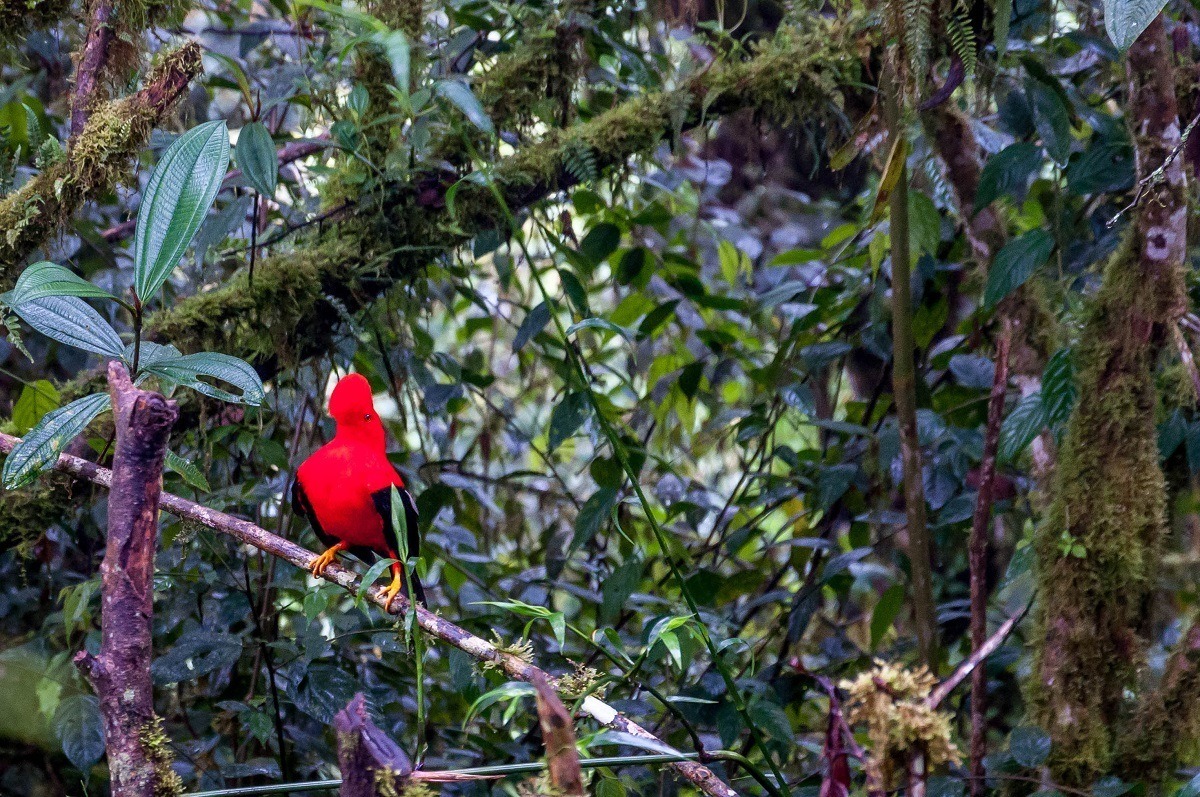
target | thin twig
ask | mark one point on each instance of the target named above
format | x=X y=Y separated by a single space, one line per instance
x=1158 y=175
x=943 y=690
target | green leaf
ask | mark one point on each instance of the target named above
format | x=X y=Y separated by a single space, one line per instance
x=592 y=515
x=459 y=94
x=372 y=574
x=1007 y=173
x=37 y=399
x=50 y=279
x=600 y=242
x=566 y=418
x=176 y=200
x=187 y=370
x=1050 y=119
x=399 y=54
x=596 y=323
x=1024 y=423
x=1029 y=746
x=1126 y=19
x=39 y=449
x=188 y=470
x=1058 y=387
x=70 y=320
x=885 y=612
x=80 y=730
x=1103 y=167
x=534 y=323
x=257 y=159
x=1015 y=263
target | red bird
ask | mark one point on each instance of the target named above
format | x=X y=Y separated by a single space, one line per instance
x=345 y=489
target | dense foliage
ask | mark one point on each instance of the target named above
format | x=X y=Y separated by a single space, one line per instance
x=622 y=278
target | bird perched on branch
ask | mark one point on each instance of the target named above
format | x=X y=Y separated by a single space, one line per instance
x=345 y=490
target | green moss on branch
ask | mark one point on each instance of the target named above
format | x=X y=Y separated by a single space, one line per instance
x=98 y=161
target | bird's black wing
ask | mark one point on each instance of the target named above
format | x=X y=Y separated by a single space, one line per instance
x=301 y=505
x=383 y=505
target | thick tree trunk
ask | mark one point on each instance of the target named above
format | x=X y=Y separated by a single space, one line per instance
x=139 y=764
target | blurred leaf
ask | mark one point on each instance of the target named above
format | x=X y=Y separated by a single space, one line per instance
x=1029 y=746
x=37 y=399
x=1051 y=119
x=80 y=729
x=460 y=96
x=1024 y=423
x=885 y=612
x=592 y=516
x=567 y=417
x=257 y=159
x=534 y=323
x=1007 y=173
x=188 y=470
x=1016 y=263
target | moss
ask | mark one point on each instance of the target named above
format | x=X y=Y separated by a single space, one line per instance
x=893 y=703
x=18 y=17
x=26 y=514
x=98 y=161
x=1111 y=499
x=157 y=748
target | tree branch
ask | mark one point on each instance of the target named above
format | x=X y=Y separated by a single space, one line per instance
x=89 y=71
x=114 y=133
x=120 y=675
x=700 y=776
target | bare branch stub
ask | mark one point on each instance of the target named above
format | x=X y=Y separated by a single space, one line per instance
x=121 y=673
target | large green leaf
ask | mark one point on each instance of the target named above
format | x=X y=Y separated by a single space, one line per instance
x=177 y=199
x=1024 y=423
x=50 y=279
x=187 y=370
x=459 y=94
x=69 y=320
x=1051 y=119
x=257 y=159
x=37 y=399
x=39 y=449
x=80 y=730
x=567 y=416
x=1015 y=263
x=1007 y=173
x=1126 y=19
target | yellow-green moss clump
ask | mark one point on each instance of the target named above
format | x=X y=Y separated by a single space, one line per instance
x=893 y=703
x=1109 y=499
x=157 y=748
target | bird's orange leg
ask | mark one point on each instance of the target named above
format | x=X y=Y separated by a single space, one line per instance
x=324 y=560
x=396 y=586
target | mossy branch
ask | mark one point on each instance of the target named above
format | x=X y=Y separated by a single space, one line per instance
x=99 y=159
x=285 y=316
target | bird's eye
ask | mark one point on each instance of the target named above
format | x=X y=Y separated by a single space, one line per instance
x=367 y=417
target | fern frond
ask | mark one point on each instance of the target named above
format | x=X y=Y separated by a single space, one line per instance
x=962 y=39
x=580 y=162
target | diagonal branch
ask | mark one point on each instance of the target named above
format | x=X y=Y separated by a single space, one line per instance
x=699 y=775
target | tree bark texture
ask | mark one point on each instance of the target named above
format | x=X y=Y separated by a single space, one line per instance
x=138 y=764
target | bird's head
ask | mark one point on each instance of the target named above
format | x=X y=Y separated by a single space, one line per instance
x=353 y=407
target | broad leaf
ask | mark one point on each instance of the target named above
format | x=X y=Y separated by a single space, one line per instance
x=257 y=159
x=39 y=449
x=1029 y=745
x=188 y=470
x=50 y=279
x=70 y=320
x=188 y=369
x=80 y=730
x=1007 y=173
x=566 y=418
x=1126 y=19
x=1051 y=119
x=177 y=199
x=459 y=94
x=1015 y=263
x=534 y=322
x=37 y=399
x=1024 y=423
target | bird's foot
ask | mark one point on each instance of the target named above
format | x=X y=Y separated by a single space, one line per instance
x=392 y=591
x=323 y=561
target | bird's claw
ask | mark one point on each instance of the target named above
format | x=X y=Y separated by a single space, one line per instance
x=391 y=592
x=323 y=561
